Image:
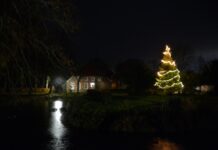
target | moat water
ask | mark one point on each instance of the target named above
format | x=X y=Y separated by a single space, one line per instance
x=39 y=126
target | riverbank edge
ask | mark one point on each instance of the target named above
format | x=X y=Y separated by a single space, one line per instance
x=166 y=114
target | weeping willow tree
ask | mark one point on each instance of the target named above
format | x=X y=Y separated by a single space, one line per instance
x=29 y=43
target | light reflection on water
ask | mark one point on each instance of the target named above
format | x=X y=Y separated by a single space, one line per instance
x=60 y=141
x=162 y=144
x=57 y=129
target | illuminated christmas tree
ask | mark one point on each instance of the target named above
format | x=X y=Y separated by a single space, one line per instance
x=168 y=77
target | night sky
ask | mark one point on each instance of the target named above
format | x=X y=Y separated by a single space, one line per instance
x=117 y=30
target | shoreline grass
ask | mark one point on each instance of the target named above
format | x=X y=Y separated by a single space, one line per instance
x=144 y=113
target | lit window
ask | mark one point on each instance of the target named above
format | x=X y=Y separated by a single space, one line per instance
x=92 y=85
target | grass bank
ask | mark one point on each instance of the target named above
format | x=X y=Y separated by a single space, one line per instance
x=143 y=113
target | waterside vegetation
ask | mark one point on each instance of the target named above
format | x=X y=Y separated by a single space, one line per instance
x=151 y=114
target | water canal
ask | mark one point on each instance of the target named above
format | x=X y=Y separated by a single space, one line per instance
x=38 y=125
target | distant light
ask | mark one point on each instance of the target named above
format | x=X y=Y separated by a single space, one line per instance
x=58 y=104
x=92 y=85
x=59 y=81
x=161 y=144
x=198 y=88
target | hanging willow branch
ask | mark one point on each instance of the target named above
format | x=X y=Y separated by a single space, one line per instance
x=28 y=34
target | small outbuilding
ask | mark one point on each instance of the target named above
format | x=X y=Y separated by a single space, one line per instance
x=205 y=88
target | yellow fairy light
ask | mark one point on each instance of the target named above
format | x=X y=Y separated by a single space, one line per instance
x=167 y=53
x=164 y=73
x=168 y=62
x=171 y=79
x=169 y=76
x=170 y=86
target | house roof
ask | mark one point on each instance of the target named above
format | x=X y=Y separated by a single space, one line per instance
x=96 y=68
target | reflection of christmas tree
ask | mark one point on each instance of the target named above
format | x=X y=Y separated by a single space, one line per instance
x=168 y=77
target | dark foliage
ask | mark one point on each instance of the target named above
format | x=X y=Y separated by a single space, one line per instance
x=209 y=74
x=135 y=74
x=30 y=40
x=160 y=114
x=96 y=67
x=190 y=79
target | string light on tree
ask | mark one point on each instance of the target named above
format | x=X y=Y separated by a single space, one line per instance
x=168 y=76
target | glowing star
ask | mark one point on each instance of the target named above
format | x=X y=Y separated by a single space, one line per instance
x=168 y=78
x=167 y=48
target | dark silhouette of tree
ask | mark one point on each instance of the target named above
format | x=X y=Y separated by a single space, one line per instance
x=96 y=67
x=184 y=55
x=135 y=74
x=29 y=42
x=209 y=74
x=190 y=79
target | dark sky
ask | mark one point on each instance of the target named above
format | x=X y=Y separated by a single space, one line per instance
x=121 y=29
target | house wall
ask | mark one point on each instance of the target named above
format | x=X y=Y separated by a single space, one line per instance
x=71 y=84
x=86 y=83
